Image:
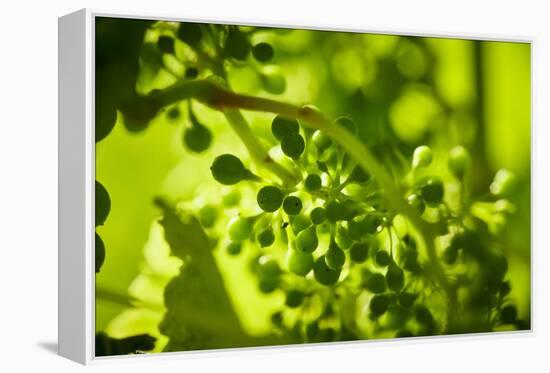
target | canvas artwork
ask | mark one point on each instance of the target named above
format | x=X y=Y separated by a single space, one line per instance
x=267 y=186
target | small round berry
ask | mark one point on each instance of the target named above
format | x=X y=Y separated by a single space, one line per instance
x=197 y=138
x=379 y=305
x=190 y=33
x=358 y=175
x=313 y=182
x=299 y=223
x=406 y=299
x=208 y=215
x=348 y=124
x=166 y=44
x=383 y=258
x=237 y=45
x=375 y=283
x=318 y=215
x=395 y=278
x=239 y=228
x=307 y=241
x=266 y=237
x=282 y=127
x=359 y=252
x=270 y=198
x=99 y=253
x=335 y=211
x=422 y=156
x=262 y=52
x=228 y=169
x=509 y=314
x=321 y=141
x=423 y=315
x=294 y=298
x=459 y=160
x=273 y=79
x=234 y=248
x=335 y=257
x=268 y=268
x=432 y=191
x=292 y=205
x=450 y=255
x=416 y=201
x=231 y=198
x=299 y=263
x=268 y=286
x=323 y=274
x=191 y=72
x=293 y=145
x=504 y=183
x=102 y=204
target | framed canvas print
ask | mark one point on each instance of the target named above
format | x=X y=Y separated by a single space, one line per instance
x=236 y=185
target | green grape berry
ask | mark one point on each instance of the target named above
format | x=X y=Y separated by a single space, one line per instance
x=228 y=169
x=231 y=198
x=348 y=124
x=335 y=257
x=102 y=204
x=282 y=127
x=321 y=141
x=313 y=182
x=197 y=138
x=293 y=145
x=270 y=198
x=208 y=215
x=266 y=237
x=416 y=201
x=268 y=286
x=99 y=253
x=450 y=254
x=323 y=274
x=335 y=211
x=422 y=156
x=406 y=299
x=237 y=45
x=423 y=315
x=273 y=79
x=358 y=175
x=299 y=263
x=166 y=44
x=234 y=248
x=356 y=230
x=375 y=283
x=395 y=277
x=358 y=253
x=318 y=215
x=268 y=269
x=190 y=33
x=262 y=52
x=432 y=191
x=239 y=228
x=504 y=183
x=294 y=298
x=307 y=241
x=379 y=305
x=292 y=205
x=299 y=223
x=508 y=314
x=383 y=258
x=459 y=160
x=191 y=72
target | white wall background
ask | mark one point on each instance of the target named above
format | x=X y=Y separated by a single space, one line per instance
x=28 y=184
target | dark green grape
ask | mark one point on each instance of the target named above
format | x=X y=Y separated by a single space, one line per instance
x=359 y=252
x=237 y=45
x=282 y=127
x=356 y=230
x=139 y=111
x=348 y=124
x=268 y=286
x=293 y=145
x=266 y=237
x=228 y=169
x=406 y=299
x=509 y=314
x=335 y=257
x=270 y=198
x=174 y=113
x=379 y=305
x=335 y=211
x=105 y=118
x=432 y=192
x=166 y=44
x=273 y=79
x=190 y=33
x=102 y=204
x=318 y=215
x=321 y=141
x=208 y=215
x=371 y=224
x=299 y=263
x=505 y=288
x=277 y=318
x=450 y=255
x=358 y=175
x=197 y=138
x=191 y=72
x=234 y=248
x=294 y=298
x=395 y=278
x=99 y=253
x=375 y=283
x=239 y=228
x=269 y=269
x=342 y=237
x=323 y=274
x=423 y=315
x=313 y=182
x=459 y=160
x=262 y=52
x=299 y=223
x=416 y=201
x=231 y=198
x=292 y=205
x=306 y=240
x=383 y=258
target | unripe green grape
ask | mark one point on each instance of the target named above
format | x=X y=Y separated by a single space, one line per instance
x=166 y=44
x=262 y=52
x=379 y=305
x=99 y=253
x=342 y=237
x=406 y=299
x=335 y=257
x=234 y=248
x=207 y=215
x=323 y=274
x=509 y=314
x=294 y=298
x=174 y=113
x=299 y=263
x=307 y=241
x=375 y=283
x=432 y=191
x=273 y=80
x=282 y=127
x=335 y=211
x=102 y=204
x=318 y=215
x=231 y=198
x=293 y=145
x=422 y=156
x=383 y=258
x=266 y=237
x=277 y=318
x=292 y=205
x=321 y=141
x=505 y=288
x=423 y=315
x=268 y=268
x=396 y=317
x=298 y=223
x=395 y=278
x=416 y=201
x=313 y=182
x=459 y=160
x=237 y=45
x=371 y=224
x=358 y=252
x=197 y=138
x=504 y=183
x=228 y=169
x=139 y=111
x=348 y=124
x=190 y=33
x=239 y=228
x=270 y=198
x=356 y=230
x=268 y=286
x=450 y=254
x=358 y=175
x=191 y=72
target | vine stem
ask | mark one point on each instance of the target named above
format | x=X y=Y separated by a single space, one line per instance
x=221 y=99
